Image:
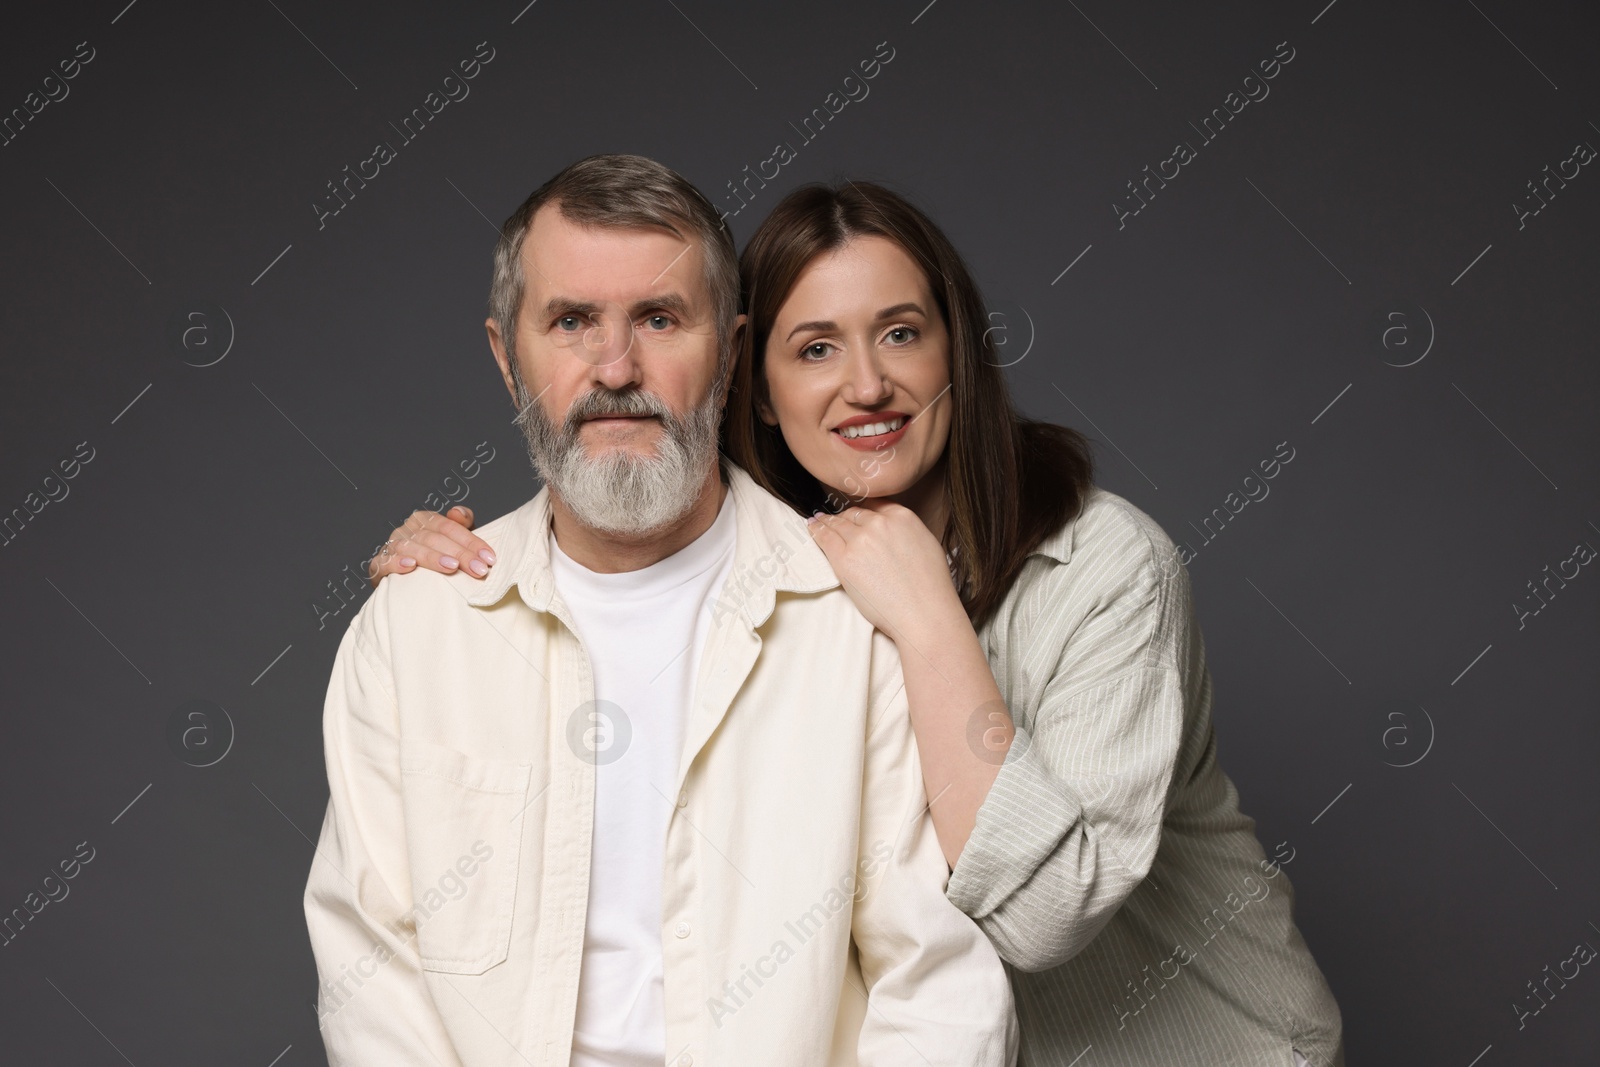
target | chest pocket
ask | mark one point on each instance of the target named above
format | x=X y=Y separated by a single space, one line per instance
x=464 y=832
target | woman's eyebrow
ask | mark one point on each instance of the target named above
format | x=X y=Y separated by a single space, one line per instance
x=820 y=325
x=900 y=309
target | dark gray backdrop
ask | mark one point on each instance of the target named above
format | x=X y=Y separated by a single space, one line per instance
x=1343 y=270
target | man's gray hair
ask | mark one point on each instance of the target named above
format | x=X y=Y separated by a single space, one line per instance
x=622 y=192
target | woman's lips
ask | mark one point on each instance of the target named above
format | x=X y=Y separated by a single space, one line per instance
x=874 y=444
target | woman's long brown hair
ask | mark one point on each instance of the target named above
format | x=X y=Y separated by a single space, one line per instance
x=1011 y=481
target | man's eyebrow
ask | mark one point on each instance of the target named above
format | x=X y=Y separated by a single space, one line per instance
x=673 y=302
x=559 y=306
x=824 y=325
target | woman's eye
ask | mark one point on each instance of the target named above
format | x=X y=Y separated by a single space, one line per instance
x=814 y=351
x=901 y=335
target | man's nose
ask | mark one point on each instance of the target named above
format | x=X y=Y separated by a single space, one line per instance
x=611 y=354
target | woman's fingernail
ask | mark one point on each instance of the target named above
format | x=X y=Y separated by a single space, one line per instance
x=449 y=563
x=477 y=567
x=407 y=561
x=488 y=557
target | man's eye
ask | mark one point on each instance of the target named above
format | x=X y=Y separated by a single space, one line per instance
x=658 y=322
x=569 y=323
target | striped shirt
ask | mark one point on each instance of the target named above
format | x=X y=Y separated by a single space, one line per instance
x=1138 y=916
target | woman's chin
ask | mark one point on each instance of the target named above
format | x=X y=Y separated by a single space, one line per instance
x=874 y=491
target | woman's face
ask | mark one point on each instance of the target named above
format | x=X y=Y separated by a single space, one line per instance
x=856 y=363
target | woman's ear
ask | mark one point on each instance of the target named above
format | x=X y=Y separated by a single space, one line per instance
x=764 y=409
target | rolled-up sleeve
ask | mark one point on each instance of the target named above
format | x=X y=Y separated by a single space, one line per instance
x=936 y=991
x=374 y=1006
x=1073 y=821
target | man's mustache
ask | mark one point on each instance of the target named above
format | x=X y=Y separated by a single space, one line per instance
x=602 y=402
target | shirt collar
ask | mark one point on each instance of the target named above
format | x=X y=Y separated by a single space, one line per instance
x=1058 y=545
x=773 y=552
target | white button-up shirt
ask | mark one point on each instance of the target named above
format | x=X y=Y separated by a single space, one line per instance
x=804 y=920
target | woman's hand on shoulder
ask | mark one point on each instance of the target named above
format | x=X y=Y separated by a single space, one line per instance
x=435 y=542
x=890 y=564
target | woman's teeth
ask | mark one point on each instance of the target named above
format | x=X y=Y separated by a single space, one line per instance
x=872 y=429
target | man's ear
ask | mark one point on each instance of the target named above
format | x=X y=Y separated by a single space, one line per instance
x=498 y=346
x=736 y=339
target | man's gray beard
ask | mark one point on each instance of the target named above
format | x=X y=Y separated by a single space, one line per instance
x=622 y=492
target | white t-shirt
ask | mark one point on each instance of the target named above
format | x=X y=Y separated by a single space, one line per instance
x=643 y=631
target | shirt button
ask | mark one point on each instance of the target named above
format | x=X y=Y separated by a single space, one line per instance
x=685 y=1060
x=683 y=798
x=682 y=930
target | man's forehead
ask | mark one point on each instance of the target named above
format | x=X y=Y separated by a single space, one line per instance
x=575 y=261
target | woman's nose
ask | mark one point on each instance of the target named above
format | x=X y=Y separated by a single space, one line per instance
x=867 y=382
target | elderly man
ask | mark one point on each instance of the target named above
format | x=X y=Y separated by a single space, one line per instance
x=647 y=794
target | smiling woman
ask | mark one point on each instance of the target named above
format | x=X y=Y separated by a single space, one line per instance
x=1007 y=482
x=875 y=381
x=1057 y=688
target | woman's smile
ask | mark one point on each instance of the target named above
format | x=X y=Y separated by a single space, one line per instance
x=870 y=432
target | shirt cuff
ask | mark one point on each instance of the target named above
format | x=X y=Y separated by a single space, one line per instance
x=1019 y=825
